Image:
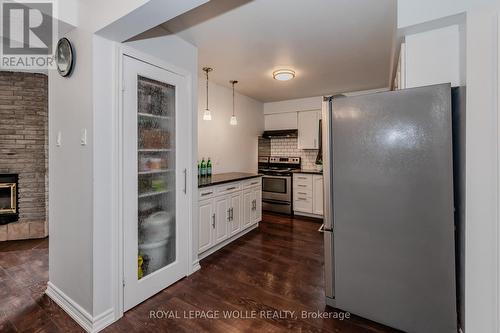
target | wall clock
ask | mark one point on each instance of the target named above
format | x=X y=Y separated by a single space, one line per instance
x=64 y=57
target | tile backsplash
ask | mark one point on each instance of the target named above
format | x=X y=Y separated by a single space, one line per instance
x=288 y=147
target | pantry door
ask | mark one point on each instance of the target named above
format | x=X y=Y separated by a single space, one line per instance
x=155 y=193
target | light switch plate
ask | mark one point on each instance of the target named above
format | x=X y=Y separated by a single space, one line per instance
x=59 y=139
x=83 y=137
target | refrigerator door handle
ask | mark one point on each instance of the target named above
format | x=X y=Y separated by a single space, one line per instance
x=327 y=143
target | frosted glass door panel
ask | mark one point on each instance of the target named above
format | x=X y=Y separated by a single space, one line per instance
x=156 y=188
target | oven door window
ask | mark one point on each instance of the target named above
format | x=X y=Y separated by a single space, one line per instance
x=274 y=185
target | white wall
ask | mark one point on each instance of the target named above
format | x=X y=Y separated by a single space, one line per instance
x=433 y=57
x=83 y=245
x=231 y=148
x=481 y=260
x=411 y=12
x=482 y=231
x=71 y=177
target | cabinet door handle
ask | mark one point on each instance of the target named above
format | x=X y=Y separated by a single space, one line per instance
x=302 y=199
x=302 y=185
x=185 y=181
x=302 y=177
x=213 y=220
x=232 y=214
x=303 y=193
x=229 y=214
x=206 y=193
x=230 y=188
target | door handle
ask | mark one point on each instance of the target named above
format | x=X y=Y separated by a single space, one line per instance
x=206 y=193
x=302 y=193
x=185 y=181
x=229 y=214
x=232 y=214
x=213 y=220
x=230 y=188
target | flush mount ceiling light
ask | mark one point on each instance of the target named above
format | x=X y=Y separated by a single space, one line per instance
x=233 y=120
x=283 y=74
x=207 y=115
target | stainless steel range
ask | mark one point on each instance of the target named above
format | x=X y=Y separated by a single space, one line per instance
x=277 y=182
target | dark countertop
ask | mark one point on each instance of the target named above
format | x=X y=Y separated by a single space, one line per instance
x=222 y=178
x=309 y=171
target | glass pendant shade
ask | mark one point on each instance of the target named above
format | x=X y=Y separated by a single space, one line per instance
x=233 y=121
x=207 y=115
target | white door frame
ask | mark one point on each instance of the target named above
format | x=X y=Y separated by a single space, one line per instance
x=118 y=230
x=498 y=175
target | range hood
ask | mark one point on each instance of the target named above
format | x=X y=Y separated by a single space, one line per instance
x=291 y=133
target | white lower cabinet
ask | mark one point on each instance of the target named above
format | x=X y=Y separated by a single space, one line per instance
x=308 y=194
x=226 y=212
x=207 y=223
x=318 y=194
x=235 y=213
x=221 y=218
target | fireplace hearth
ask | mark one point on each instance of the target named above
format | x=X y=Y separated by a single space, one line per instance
x=9 y=211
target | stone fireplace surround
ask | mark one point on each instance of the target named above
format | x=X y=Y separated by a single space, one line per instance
x=23 y=150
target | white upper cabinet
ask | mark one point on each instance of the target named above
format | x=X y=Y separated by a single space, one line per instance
x=308 y=122
x=280 y=121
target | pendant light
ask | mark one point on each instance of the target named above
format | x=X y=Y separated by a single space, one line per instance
x=207 y=115
x=233 y=120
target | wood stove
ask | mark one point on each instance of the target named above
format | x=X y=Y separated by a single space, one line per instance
x=9 y=198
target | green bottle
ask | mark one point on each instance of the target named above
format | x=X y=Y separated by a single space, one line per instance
x=209 y=167
x=199 y=168
x=203 y=167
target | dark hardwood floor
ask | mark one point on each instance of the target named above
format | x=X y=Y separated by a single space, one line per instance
x=277 y=267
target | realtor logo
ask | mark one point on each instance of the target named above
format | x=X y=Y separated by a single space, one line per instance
x=27 y=34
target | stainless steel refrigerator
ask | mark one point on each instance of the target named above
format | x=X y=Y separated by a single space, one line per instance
x=389 y=228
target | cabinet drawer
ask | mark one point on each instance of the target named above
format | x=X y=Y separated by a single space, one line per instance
x=302 y=180
x=302 y=204
x=252 y=183
x=206 y=193
x=227 y=188
x=302 y=193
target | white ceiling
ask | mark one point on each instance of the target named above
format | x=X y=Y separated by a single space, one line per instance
x=334 y=46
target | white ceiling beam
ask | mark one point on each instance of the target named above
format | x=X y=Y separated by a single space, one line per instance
x=147 y=16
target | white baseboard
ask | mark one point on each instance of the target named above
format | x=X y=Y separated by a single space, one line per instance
x=80 y=315
x=227 y=241
x=308 y=215
x=195 y=267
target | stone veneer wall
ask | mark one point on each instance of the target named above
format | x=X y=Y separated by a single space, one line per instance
x=23 y=150
x=288 y=147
